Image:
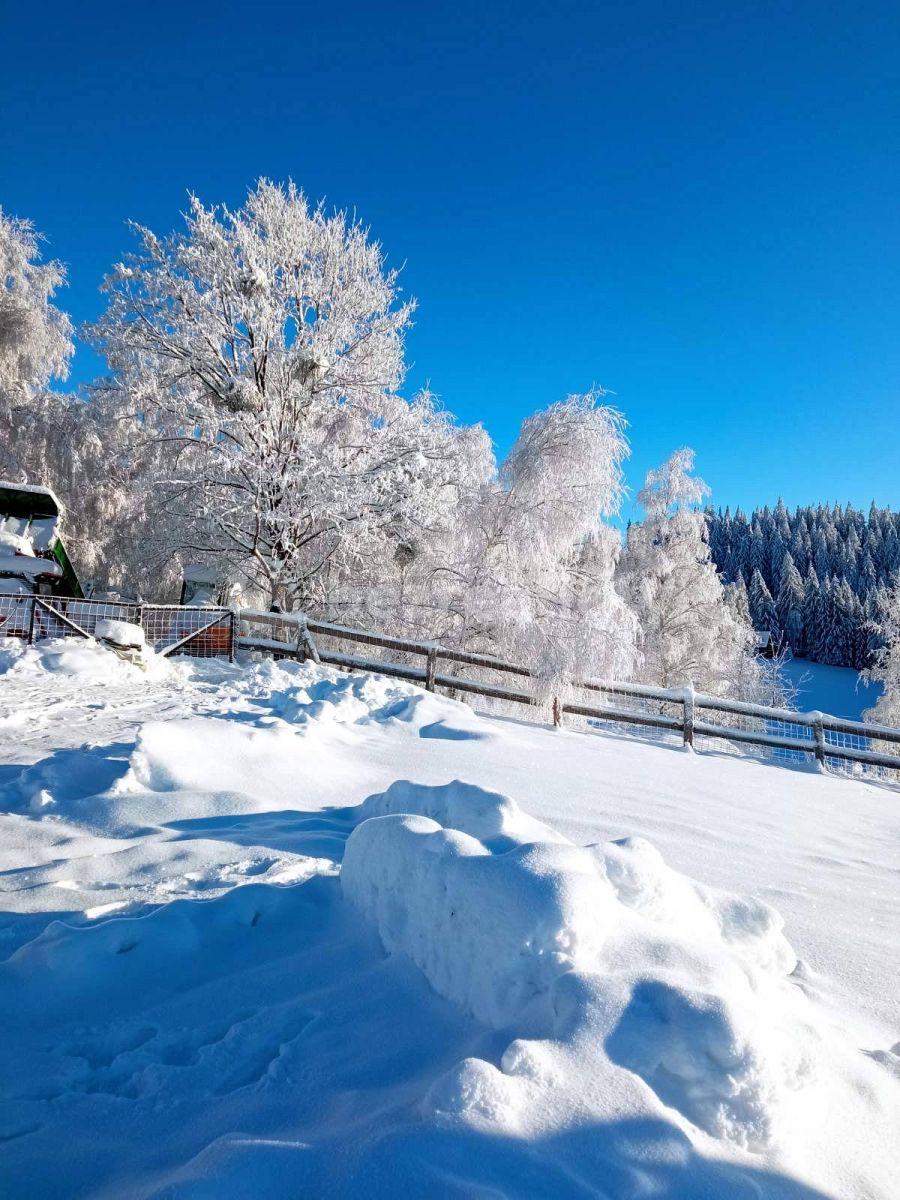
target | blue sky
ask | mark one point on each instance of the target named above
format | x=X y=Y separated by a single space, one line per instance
x=695 y=206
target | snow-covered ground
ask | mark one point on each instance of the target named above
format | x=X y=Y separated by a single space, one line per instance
x=835 y=690
x=563 y=976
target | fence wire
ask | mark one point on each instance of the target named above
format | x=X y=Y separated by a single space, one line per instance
x=15 y=616
x=650 y=718
x=204 y=632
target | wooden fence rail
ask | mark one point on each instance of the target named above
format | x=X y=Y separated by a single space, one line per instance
x=680 y=710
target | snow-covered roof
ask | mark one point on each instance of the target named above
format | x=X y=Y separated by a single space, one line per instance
x=28 y=566
x=28 y=500
x=199 y=573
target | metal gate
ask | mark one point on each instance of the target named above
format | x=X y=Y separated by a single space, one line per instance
x=168 y=628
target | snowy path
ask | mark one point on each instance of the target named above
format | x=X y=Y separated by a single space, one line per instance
x=191 y=1009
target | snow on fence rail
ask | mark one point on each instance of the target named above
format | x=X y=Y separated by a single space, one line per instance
x=168 y=628
x=832 y=742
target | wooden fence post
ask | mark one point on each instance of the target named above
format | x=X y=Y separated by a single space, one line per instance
x=688 y=727
x=309 y=642
x=819 y=731
x=430 y=668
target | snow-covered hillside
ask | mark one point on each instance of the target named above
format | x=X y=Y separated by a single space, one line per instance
x=835 y=690
x=552 y=965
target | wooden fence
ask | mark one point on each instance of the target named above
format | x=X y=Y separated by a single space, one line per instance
x=792 y=736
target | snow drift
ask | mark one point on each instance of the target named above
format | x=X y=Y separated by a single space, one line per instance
x=555 y=1015
x=82 y=660
x=601 y=955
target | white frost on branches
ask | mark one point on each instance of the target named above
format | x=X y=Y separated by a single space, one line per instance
x=253 y=420
x=886 y=668
x=35 y=348
x=260 y=353
x=526 y=571
x=690 y=632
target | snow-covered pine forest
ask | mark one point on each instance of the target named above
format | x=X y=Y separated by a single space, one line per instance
x=818 y=578
x=253 y=418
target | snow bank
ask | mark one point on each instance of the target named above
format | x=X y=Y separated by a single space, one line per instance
x=82 y=659
x=329 y=697
x=306 y=694
x=631 y=969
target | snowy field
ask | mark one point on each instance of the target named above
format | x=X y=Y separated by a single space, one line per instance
x=564 y=976
x=835 y=690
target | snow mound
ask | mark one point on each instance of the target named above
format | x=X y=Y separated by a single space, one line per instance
x=121 y=633
x=305 y=694
x=83 y=660
x=645 y=884
x=491 y=932
x=12 y=650
x=626 y=965
x=345 y=699
x=492 y=819
x=200 y=754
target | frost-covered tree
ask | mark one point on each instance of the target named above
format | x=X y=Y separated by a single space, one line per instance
x=690 y=633
x=762 y=607
x=739 y=600
x=886 y=668
x=546 y=565
x=259 y=354
x=35 y=348
x=827 y=542
x=526 y=571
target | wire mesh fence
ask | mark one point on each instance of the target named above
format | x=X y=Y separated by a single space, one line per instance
x=746 y=725
x=198 y=632
x=856 y=741
x=15 y=616
x=168 y=628
x=650 y=718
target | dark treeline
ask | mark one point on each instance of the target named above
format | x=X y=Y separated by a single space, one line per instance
x=818 y=577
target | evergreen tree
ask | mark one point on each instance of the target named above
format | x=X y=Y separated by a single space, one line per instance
x=789 y=605
x=762 y=607
x=828 y=545
x=811 y=614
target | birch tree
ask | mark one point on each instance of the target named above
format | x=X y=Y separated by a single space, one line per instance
x=35 y=348
x=260 y=353
x=526 y=571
